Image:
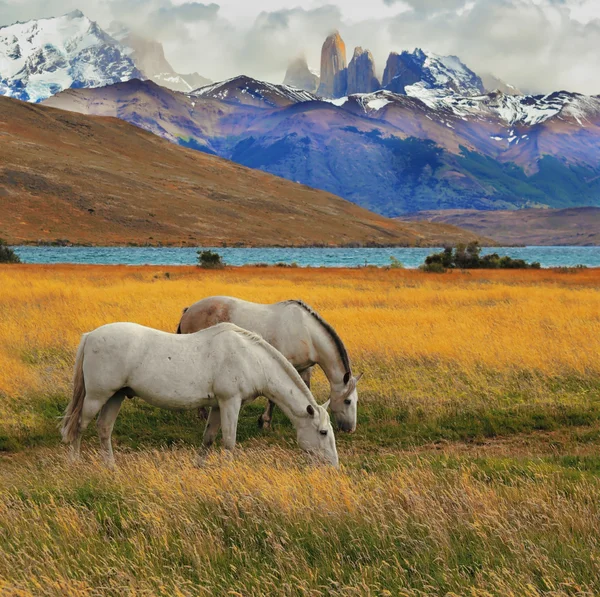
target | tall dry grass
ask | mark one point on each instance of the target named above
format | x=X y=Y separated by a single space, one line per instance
x=447 y=357
x=265 y=525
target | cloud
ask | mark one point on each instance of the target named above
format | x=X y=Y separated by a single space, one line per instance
x=429 y=6
x=537 y=45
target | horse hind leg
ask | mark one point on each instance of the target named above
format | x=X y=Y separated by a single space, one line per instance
x=92 y=405
x=106 y=422
x=264 y=421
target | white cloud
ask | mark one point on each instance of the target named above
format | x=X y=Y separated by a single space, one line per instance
x=538 y=45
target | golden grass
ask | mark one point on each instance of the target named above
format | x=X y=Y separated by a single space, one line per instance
x=514 y=351
x=541 y=321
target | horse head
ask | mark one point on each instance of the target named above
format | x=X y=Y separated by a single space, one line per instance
x=316 y=435
x=343 y=403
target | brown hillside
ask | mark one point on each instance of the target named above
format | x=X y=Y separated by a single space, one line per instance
x=103 y=181
x=572 y=226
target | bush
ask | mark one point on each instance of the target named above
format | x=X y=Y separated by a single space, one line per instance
x=469 y=257
x=210 y=260
x=433 y=268
x=396 y=263
x=7 y=255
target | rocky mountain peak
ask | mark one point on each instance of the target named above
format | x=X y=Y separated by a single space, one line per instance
x=299 y=75
x=361 y=73
x=430 y=71
x=333 y=67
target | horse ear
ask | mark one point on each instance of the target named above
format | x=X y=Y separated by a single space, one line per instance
x=357 y=378
x=347 y=377
x=326 y=405
x=310 y=410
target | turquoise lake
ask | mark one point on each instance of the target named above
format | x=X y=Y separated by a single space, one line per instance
x=318 y=257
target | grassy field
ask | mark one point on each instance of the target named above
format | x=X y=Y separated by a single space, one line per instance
x=475 y=469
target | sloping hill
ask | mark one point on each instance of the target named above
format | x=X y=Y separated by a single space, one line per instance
x=103 y=181
x=574 y=226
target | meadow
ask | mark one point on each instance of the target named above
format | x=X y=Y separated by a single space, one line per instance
x=475 y=468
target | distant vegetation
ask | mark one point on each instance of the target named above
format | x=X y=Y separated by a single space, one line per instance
x=7 y=255
x=469 y=257
x=210 y=260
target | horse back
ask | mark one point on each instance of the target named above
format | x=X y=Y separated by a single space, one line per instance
x=205 y=314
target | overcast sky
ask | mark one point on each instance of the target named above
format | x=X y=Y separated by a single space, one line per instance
x=537 y=45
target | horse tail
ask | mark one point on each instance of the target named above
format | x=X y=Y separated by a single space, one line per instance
x=179 y=326
x=72 y=417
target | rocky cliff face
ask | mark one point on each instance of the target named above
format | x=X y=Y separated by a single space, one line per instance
x=334 y=77
x=149 y=56
x=361 y=73
x=392 y=68
x=299 y=75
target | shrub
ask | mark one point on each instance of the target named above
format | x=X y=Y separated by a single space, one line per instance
x=466 y=257
x=7 y=255
x=210 y=260
x=395 y=263
x=433 y=268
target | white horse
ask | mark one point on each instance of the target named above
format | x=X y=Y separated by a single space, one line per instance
x=296 y=331
x=221 y=367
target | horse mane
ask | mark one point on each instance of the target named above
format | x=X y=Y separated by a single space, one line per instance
x=287 y=366
x=334 y=335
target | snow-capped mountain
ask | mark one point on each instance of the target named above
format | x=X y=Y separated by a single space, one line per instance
x=249 y=91
x=428 y=71
x=498 y=107
x=40 y=58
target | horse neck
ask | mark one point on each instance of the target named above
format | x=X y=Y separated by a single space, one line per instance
x=328 y=355
x=283 y=386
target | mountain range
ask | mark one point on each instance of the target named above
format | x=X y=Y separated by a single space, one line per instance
x=428 y=135
x=390 y=153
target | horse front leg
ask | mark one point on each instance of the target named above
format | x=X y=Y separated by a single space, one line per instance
x=230 y=412
x=213 y=424
x=305 y=375
x=211 y=430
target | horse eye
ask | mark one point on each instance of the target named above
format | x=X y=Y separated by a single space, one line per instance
x=323 y=432
x=347 y=401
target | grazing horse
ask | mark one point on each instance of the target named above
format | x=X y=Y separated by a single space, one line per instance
x=299 y=333
x=221 y=367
